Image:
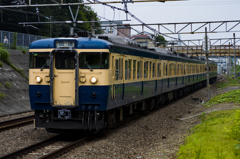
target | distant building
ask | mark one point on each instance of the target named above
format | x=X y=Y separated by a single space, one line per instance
x=110 y=30
x=124 y=31
x=144 y=40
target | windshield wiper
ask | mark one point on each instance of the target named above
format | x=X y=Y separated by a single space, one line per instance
x=88 y=66
x=43 y=65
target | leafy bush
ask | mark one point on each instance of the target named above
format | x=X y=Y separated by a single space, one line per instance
x=2 y=95
x=1 y=64
x=4 y=56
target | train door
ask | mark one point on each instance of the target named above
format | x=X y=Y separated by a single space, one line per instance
x=64 y=79
x=117 y=92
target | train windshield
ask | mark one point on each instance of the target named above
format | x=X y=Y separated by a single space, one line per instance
x=94 y=60
x=39 y=60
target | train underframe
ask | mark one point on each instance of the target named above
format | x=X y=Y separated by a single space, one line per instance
x=72 y=121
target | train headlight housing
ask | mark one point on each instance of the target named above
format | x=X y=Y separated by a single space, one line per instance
x=38 y=79
x=93 y=80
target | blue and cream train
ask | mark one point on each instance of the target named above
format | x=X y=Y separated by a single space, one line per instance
x=87 y=83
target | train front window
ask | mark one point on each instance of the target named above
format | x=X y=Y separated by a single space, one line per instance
x=94 y=60
x=65 y=60
x=39 y=60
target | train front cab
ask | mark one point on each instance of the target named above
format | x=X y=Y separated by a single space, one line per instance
x=69 y=90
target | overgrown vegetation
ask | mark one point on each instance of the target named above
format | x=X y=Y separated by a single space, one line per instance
x=2 y=95
x=217 y=137
x=231 y=96
x=14 y=45
x=1 y=64
x=4 y=56
x=7 y=84
x=231 y=82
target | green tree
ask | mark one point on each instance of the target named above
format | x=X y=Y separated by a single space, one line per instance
x=160 y=40
x=10 y=19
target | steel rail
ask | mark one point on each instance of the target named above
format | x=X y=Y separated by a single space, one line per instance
x=80 y=142
x=13 y=123
x=31 y=148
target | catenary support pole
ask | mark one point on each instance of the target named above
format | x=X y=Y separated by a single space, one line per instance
x=206 y=49
x=234 y=56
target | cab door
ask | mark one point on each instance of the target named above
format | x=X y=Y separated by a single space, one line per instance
x=64 y=83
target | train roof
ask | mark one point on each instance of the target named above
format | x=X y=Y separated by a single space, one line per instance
x=80 y=43
x=115 y=44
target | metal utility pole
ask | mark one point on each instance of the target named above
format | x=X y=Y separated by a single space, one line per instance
x=206 y=47
x=50 y=26
x=234 y=56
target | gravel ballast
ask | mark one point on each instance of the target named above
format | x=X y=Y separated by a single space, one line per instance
x=155 y=135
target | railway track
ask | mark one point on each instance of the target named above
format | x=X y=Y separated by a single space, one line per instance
x=9 y=124
x=66 y=148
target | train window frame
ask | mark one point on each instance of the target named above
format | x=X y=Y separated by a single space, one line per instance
x=146 y=69
x=153 y=69
x=116 y=69
x=150 y=70
x=134 y=69
x=159 y=69
x=130 y=69
x=32 y=60
x=126 y=70
x=170 y=69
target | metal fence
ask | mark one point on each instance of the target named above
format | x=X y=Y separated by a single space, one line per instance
x=23 y=40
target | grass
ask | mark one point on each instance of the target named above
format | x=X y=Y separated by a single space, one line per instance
x=218 y=136
x=231 y=82
x=4 y=56
x=230 y=96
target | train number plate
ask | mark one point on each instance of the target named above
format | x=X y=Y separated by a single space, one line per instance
x=60 y=44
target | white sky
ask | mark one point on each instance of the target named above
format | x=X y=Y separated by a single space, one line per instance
x=177 y=11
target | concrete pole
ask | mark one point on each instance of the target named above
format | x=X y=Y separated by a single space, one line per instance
x=206 y=47
x=234 y=56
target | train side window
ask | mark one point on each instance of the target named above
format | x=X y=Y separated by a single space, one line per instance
x=116 y=69
x=145 y=69
x=140 y=69
x=158 y=70
x=150 y=70
x=130 y=69
x=121 y=68
x=166 y=69
x=174 y=69
x=170 y=69
x=134 y=69
x=153 y=69
x=126 y=69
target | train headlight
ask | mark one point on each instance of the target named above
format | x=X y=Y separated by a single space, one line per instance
x=38 y=79
x=93 y=80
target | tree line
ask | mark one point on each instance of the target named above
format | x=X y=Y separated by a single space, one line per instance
x=10 y=17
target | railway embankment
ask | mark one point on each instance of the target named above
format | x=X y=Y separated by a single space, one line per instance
x=14 y=91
